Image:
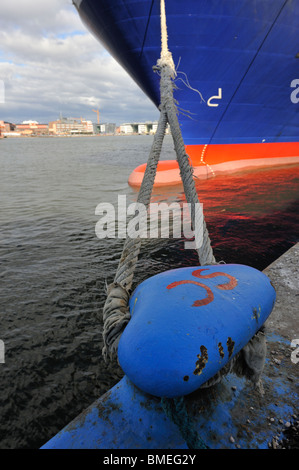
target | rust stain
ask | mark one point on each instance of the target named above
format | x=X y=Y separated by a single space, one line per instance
x=221 y=350
x=256 y=313
x=230 y=346
x=134 y=305
x=202 y=360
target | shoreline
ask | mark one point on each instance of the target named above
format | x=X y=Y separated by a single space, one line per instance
x=70 y=136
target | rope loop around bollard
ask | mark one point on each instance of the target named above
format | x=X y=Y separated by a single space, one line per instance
x=175 y=409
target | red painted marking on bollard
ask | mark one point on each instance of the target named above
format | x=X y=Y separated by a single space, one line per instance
x=210 y=296
x=227 y=286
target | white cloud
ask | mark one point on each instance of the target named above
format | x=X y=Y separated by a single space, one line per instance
x=51 y=64
x=39 y=17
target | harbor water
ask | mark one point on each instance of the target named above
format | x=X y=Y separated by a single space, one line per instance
x=54 y=269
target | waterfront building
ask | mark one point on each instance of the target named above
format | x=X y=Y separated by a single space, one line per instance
x=154 y=128
x=126 y=129
x=7 y=129
x=107 y=128
x=2 y=128
x=148 y=127
x=142 y=129
x=70 y=126
x=28 y=128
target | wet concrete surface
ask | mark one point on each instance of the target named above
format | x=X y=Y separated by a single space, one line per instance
x=284 y=321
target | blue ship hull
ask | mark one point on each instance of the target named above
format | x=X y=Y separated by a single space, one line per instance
x=248 y=49
x=243 y=58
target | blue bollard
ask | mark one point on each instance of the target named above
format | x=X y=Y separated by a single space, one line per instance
x=188 y=323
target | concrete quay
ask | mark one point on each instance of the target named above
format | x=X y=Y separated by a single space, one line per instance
x=283 y=273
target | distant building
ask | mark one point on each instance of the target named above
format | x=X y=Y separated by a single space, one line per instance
x=2 y=129
x=126 y=129
x=155 y=127
x=139 y=128
x=107 y=128
x=9 y=126
x=31 y=128
x=70 y=126
x=142 y=129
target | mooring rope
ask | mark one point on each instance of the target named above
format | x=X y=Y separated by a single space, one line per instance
x=175 y=408
x=116 y=313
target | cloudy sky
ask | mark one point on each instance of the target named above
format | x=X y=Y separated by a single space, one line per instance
x=51 y=64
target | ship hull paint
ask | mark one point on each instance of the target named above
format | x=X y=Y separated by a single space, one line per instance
x=242 y=57
x=217 y=159
x=215 y=154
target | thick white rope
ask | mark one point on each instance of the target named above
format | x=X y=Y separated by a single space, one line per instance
x=168 y=74
x=116 y=313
